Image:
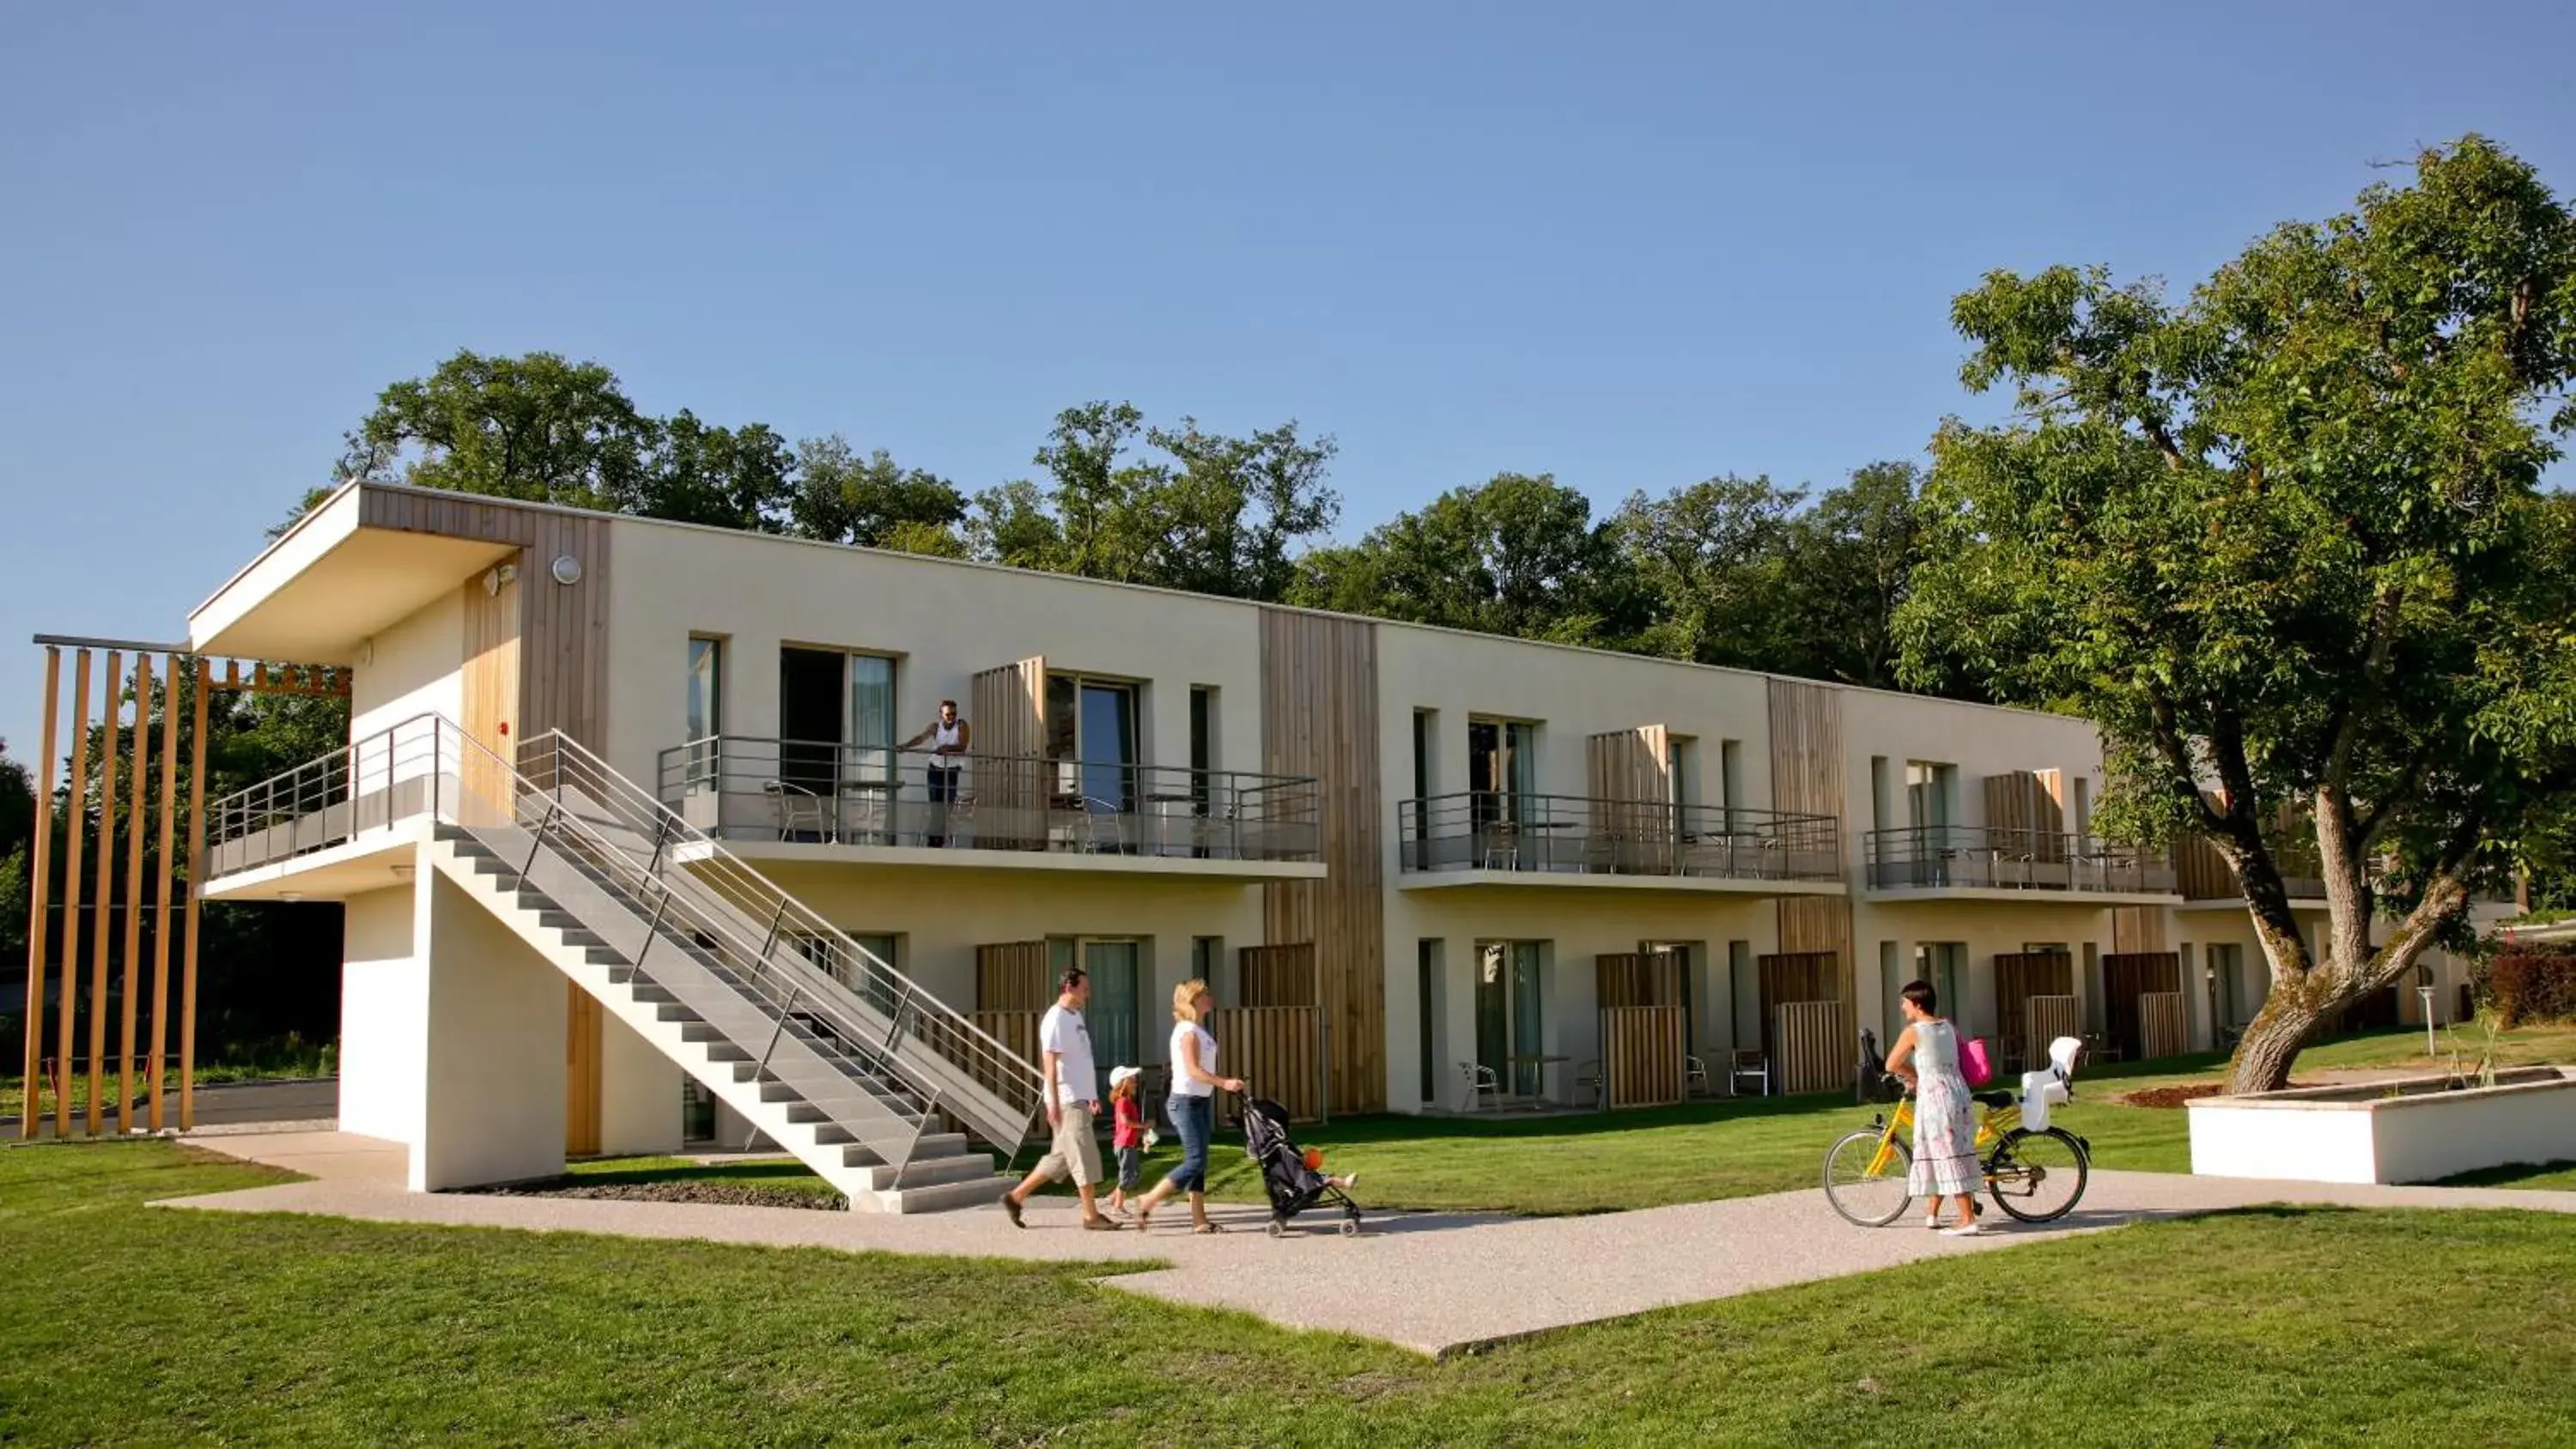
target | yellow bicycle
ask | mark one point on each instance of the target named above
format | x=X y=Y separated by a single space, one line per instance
x=2033 y=1171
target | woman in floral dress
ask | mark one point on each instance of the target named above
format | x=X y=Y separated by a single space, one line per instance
x=1945 y=1128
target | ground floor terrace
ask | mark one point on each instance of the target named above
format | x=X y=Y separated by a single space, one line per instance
x=1518 y=1287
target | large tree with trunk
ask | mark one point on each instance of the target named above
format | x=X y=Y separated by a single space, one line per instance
x=2286 y=542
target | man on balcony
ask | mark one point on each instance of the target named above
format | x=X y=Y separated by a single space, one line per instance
x=947 y=737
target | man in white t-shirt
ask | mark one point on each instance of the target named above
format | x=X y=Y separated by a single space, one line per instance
x=1072 y=1096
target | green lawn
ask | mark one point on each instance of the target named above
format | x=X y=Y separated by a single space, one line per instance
x=2549 y=1176
x=127 y=1325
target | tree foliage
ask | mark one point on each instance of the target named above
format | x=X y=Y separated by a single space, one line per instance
x=2284 y=541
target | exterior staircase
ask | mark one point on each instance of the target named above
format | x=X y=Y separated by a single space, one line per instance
x=866 y=1078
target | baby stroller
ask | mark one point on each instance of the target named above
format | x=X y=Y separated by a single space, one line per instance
x=1294 y=1187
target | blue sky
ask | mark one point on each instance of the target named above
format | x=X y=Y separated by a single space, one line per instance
x=1633 y=246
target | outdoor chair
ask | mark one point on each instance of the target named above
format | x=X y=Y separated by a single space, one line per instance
x=1481 y=1082
x=1502 y=846
x=1592 y=1076
x=1694 y=1077
x=1748 y=1067
x=800 y=812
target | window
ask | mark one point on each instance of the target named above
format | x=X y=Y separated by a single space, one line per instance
x=2227 y=981
x=1730 y=778
x=1427 y=971
x=705 y=706
x=1945 y=965
x=1202 y=746
x=1207 y=963
x=1511 y=1000
x=836 y=718
x=1426 y=738
x=1502 y=770
x=1931 y=794
x=1115 y=1013
x=1882 y=803
x=1091 y=735
x=1681 y=767
x=875 y=987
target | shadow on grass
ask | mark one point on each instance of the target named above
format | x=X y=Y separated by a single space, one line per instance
x=789 y=1176
x=2559 y=1174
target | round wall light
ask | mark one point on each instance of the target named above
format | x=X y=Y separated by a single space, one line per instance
x=567 y=569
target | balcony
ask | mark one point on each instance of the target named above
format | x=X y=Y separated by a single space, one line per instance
x=818 y=802
x=1489 y=839
x=1972 y=862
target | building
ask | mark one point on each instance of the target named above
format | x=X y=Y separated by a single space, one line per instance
x=670 y=763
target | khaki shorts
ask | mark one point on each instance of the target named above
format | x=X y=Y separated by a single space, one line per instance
x=1074 y=1153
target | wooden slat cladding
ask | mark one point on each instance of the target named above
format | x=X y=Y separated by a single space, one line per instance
x=2200 y=872
x=2027 y=803
x=1279 y=975
x=1629 y=782
x=1651 y=978
x=1009 y=718
x=2128 y=976
x=1319 y=717
x=2137 y=929
x=40 y=888
x=562 y=628
x=583 y=1045
x=1277 y=1052
x=2160 y=1025
x=2050 y=1017
x=1016 y=1030
x=1012 y=976
x=1806 y=723
x=1791 y=977
x=1817 y=1050
x=1641 y=1056
x=2020 y=976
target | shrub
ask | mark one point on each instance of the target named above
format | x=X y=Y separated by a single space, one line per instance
x=2533 y=985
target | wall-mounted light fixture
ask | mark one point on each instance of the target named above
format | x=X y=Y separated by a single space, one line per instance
x=567 y=569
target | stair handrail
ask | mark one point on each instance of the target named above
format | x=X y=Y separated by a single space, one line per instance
x=557 y=757
x=785 y=980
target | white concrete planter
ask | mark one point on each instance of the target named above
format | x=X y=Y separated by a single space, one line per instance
x=2364 y=1134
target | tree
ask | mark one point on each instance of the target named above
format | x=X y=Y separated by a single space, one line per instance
x=1518 y=554
x=726 y=477
x=874 y=502
x=1845 y=567
x=17 y=835
x=1707 y=559
x=535 y=428
x=2284 y=542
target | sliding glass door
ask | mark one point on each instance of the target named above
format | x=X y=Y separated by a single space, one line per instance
x=1511 y=1014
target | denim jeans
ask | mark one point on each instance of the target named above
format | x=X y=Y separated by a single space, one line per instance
x=1195 y=1119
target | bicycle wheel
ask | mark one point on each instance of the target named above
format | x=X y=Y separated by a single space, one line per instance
x=2037 y=1177
x=1867 y=1197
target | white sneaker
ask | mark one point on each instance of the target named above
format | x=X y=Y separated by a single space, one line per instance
x=1933 y=1223
x=1972 y=1228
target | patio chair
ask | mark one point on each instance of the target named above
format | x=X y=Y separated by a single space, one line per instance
x=1502 y=846
x=1748 y=1066
x=1481 y=1082
x=800 y=812
x=1694 y=1077
x=1590 y=1075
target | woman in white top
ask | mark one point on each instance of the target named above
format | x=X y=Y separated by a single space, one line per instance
x=1191 y=1105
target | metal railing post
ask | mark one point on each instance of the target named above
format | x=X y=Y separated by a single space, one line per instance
x=540 y=842
x=912 y=1149
x=653 y=928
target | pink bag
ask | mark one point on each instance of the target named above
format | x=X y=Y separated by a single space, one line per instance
x=1974 y=1063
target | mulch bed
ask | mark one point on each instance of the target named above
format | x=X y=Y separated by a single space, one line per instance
x=2176 y=1096
x=721 y=1193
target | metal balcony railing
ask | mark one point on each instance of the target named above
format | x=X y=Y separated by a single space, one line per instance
x=1981 y=857
x=739 y=787
x=1579 y=835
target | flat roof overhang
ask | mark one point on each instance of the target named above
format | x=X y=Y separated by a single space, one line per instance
x=2010 y=895
x=2315 y=904
x=329 y=584
x=880 y=858
x=1685 y=885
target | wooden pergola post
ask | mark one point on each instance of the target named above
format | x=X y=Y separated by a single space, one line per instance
x=161 y=919
x=196 y=879
x=77 y=833
x=39 y=904
x=103 y=929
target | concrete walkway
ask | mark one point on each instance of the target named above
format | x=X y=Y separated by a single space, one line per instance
x=1435 y=1283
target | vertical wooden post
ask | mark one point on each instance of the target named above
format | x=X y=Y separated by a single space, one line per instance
x=40 y=887
x=136 y=765
x=76 y=834
x=103 y=895
x=161 y=917
x=196 y=878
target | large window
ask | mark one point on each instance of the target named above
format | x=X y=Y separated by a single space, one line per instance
x=1945 y=965
x=1116 y=1013
x=1511 y=1011
x=1931 y=793
x=836 y=718
x=1502 y=771
x=705 y=708
x=1092 y=737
